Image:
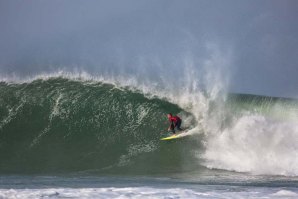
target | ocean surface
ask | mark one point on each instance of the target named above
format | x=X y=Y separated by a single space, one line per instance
x=63 y=137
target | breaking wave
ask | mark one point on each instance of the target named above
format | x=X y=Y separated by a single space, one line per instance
x=60 y=124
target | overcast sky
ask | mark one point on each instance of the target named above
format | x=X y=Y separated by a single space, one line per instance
x=256 y=42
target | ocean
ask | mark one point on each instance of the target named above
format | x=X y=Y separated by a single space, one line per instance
x=74 y=137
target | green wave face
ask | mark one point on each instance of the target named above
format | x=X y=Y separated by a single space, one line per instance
x=63 y=126
x=59 y=125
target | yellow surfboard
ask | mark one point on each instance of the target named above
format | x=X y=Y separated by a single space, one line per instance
x=181 y=134
x=170 y=137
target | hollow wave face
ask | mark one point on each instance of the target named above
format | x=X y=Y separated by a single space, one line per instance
x=58 y=125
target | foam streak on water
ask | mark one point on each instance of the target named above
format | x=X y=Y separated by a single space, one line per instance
x=149 y=192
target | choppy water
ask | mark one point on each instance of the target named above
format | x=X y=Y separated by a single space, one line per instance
x=144 y=187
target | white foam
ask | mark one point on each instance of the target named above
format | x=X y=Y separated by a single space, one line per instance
x=255 y=144
x=285 y=193
x=141 y=192
x=111 y=192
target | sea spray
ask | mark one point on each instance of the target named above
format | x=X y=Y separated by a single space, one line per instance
x=237 y=132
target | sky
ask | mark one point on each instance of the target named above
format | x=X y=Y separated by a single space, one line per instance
x=251 y=42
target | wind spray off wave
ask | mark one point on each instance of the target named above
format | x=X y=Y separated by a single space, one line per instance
x=66 y=124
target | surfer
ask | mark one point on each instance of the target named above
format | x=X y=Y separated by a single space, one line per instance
x=175 y=123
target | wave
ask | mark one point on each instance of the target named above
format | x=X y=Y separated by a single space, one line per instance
x=59 y=125
x=65 y=124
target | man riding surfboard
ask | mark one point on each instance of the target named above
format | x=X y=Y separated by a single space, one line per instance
x=175 y=123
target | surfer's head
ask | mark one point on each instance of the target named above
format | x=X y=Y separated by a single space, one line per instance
x=169 y=115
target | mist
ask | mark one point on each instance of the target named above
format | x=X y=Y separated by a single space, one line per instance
x=253 y=44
